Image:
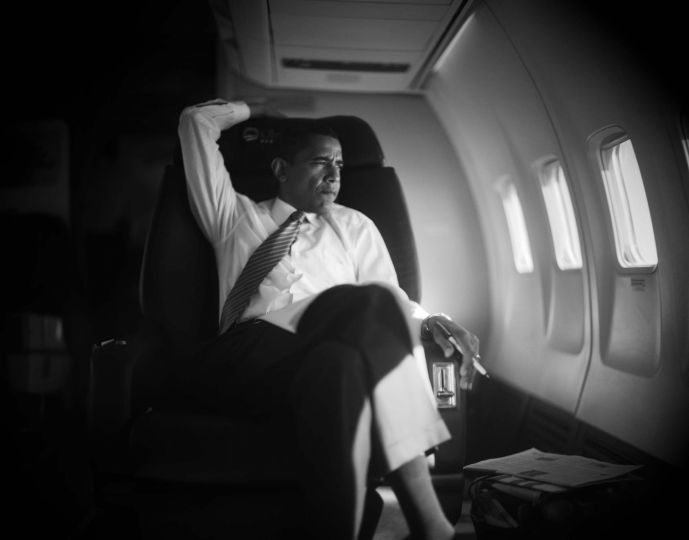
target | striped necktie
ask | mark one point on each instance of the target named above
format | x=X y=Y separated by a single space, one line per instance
x=259 y=265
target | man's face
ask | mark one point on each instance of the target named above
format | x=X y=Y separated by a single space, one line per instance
x=311 y=181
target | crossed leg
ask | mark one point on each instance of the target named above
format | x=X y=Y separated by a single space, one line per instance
x=363 y=409
x=360 y=405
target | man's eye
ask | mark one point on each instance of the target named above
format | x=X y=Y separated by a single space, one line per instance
x=326 y=162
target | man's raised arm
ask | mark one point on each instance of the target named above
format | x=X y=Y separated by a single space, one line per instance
x=214 y=201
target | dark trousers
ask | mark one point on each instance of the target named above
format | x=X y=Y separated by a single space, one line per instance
x=323 y=378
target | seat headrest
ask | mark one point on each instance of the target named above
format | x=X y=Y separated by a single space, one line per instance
x=249 y=147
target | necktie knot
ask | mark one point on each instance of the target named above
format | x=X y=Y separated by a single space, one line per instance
x=297 y=215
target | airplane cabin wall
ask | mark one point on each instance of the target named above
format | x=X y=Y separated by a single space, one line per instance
x=540 y=328
x=530 y=81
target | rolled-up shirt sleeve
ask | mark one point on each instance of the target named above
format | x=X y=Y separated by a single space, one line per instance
x=375 y=264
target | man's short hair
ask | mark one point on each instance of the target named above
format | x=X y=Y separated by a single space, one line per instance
x=298 y=135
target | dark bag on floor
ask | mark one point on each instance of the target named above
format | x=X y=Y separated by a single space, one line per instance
x=610 y=510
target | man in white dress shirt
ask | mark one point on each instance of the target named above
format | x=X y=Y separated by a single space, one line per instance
x=328 y=335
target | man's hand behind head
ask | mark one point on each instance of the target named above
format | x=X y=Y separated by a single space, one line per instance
x=263 y=107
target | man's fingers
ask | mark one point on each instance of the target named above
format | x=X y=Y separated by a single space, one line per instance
x=470 y=343
x=443 y=343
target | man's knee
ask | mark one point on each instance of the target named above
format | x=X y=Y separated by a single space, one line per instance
x=371 y=296
x=344 y=305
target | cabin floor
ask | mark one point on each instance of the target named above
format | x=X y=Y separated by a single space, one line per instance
x=54 y=494
x=392 y=525
x=197 y=516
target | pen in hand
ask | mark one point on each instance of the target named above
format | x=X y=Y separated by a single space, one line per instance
x=474 y=358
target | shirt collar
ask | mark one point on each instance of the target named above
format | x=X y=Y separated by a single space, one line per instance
x=281 y=210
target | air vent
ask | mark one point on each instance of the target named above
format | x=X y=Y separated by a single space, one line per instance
x=337 y=65
x=638 y=284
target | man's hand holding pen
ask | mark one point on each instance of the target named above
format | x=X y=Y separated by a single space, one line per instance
x=451 y=337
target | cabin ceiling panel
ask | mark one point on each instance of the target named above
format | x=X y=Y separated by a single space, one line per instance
x=352 y=33
x=334 y=9
x=350 y=45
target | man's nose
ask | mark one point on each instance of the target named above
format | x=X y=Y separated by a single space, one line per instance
x=333 y=173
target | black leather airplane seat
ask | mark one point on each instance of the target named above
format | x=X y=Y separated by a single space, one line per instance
x=140 y=423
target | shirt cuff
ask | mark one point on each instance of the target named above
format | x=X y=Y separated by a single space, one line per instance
x=418 y=315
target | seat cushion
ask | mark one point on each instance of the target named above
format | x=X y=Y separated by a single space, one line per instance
x=199 y=448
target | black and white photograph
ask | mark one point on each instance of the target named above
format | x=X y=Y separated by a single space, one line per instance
x=345 y=270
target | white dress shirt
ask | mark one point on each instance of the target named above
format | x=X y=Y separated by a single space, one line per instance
x=340 y=247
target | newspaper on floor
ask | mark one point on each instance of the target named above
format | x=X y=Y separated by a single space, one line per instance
x=559 y=469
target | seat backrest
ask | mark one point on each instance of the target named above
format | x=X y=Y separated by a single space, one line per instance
x=179 y=284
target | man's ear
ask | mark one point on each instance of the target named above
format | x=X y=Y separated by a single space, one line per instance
x=278 y=166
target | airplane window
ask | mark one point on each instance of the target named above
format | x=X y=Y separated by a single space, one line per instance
x=563 y=225
x=629 y=211
x=516 y=225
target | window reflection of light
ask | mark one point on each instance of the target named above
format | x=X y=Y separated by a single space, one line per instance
x=630 y=214
x=516 y=225
x=563 y=225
